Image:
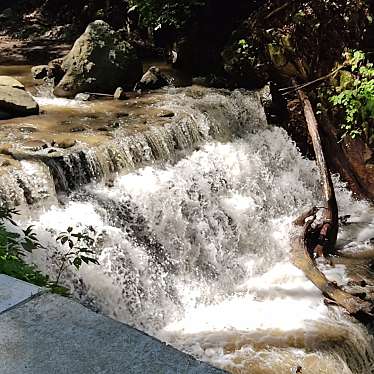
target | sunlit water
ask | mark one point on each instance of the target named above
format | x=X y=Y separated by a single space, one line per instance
x=196 y=253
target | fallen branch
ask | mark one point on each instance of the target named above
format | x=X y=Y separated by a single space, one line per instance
x=301 y=259
x=367 y=254
x=329 y=229
x=305 y=244
x=293 y=88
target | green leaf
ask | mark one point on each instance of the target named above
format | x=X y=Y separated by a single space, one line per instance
x=77 y=263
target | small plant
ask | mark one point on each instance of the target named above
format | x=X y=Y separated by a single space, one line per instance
x=14 y=244
x=78 y=251
x=356 y=97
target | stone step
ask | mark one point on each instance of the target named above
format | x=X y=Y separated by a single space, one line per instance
x=52 y=334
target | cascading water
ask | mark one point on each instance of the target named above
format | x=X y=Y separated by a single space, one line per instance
x=195 y=252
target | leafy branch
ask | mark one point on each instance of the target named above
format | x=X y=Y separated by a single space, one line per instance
x=16 y=242
x=78 y=252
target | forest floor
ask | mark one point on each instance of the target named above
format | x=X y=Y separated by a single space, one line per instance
x=30 y=52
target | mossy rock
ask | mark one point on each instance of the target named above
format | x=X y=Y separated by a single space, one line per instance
x=100 y=61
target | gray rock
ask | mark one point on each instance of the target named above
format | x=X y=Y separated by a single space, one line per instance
x=16 y=102
x=98 y=62
x=10 y=82
x=152 y=80
x=39 y=71
x=120 y=94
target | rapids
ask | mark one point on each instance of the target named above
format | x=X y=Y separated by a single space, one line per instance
x=194 y=248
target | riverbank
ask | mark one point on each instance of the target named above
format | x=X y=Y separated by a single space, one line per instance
x=30 y=51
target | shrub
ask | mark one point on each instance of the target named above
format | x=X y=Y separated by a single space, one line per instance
x=355 y=97
x=157 y=13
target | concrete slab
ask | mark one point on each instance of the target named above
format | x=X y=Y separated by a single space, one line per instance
x=14 y=291
x=54 y=335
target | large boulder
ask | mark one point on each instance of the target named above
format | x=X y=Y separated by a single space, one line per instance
x=15 y=102
x=99 y=61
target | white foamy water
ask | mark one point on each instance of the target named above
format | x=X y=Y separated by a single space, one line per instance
x=55 y=102
x=197 y=254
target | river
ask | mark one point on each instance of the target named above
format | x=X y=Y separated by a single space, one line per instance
x=193 y=237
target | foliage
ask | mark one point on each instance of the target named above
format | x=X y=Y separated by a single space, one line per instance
x=78 y=251
x=158 y=13
x=356 y=97
x=14 y=244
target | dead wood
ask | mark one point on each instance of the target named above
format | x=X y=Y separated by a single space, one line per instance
x=301 y=259
x=304 y=246
x=329 y=229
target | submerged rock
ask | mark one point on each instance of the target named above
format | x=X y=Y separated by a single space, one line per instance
x=99 y=61
x=10 y=82
x=15 y=102
x=152 y=80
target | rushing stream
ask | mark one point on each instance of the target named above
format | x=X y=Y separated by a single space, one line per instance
x=195 y=250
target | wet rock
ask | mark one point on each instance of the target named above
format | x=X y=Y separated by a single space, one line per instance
x=5 y=149
x=83 y=97
x=98 y=62
x=64 y=143
x=39 y=71
x=55 y=70
x=8 y=161
x=28 y=129
x=166 y=114
x=17 y=103
x=120 y=94
x=115 y=124
x=35 y=145
x=53 y=152
x=10 y=82
x=122 y=114
x=78 y=129
x=152 y=80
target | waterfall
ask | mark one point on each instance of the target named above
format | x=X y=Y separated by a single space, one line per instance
x=195 y=249
x=198 y=114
